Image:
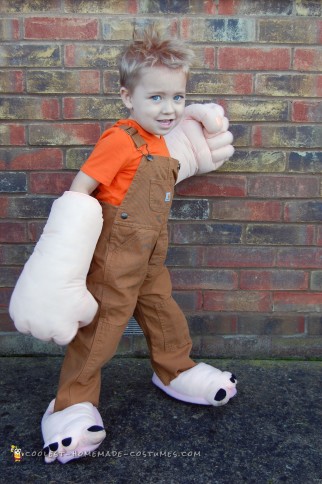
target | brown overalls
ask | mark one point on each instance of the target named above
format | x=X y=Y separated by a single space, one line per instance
x=127 y=276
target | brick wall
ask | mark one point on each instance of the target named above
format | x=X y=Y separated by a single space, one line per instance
x=246 y=241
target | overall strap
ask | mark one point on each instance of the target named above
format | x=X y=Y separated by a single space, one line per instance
x=136 y=137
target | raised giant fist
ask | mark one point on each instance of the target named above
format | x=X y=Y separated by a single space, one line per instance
x=50 y=300
x=201 y=141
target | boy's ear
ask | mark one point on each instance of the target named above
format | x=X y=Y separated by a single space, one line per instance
x=126 y=97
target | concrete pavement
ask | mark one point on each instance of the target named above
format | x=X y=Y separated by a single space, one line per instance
x=270 y=433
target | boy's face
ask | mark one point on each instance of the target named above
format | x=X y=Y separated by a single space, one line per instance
x=157 y=101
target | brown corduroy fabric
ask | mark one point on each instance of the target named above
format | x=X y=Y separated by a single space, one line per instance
x=127 y=276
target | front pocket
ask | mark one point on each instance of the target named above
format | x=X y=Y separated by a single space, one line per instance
x=129 y=253
x=161 y=194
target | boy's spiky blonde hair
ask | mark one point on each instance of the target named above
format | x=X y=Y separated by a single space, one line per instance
x=151 y=49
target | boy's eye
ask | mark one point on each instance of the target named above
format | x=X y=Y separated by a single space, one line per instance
x=156 y=98
x=178 y=97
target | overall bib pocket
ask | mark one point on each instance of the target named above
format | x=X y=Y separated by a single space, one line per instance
x=161 y=194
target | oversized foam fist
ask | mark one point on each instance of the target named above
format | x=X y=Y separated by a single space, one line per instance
x=51 y=300
x=71 y=433
x=201 y=141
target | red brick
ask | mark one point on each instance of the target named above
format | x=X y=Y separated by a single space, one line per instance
x=30 y=55
x=13 y=232
x=248 y=110
x=111 y=7
x=25 y=107
x=203 y=279
x=6 y=323
x=298 y=301
x=179 y=256
x=12 y=134
x=259 y=59
x=210 y=323
x=270 y=324
x=319 y=23
x=264 y=280
x=315 y=325
x=4 y=205
x=13 y=182
x=187 y=209
x=188 y=300
x=61 y=28
x=281 y=186
x=209 y=57
x=15 y=254
x=242 y=301
x=9 y=29
x=305 y=111
x=305 y=162
x=205 y=233
x=64 y=134
x=316 y=281
x=220 y=83
x=11 y=81
x=247 y=210
x=92 y=107
x=307 y=59
x=9 y=276
x=5 y=295
x=50 y=183
x=50 y=109
x=299 y=257
x=110 y=82
x=303 y=211
x=225 y=256
x=99 y=56
x=292 y=136
x=214 y=186
x=35 y=230
x=227 y=7
x=31 y=159
x=287 y=30
x=319 y=86
x=290 y=84
x=12 y=6
x=31 y=207
x=210 y=7
x=247 y=7
x=60 y=81
x=279 y=234
x=319 y=235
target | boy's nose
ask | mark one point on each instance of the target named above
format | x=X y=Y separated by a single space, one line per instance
x=168 y=107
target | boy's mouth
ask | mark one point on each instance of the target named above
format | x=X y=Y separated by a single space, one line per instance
x=165 y=123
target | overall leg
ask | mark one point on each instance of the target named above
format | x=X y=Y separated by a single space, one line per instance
x=95 y=344
x=80 y=378
x=165 y=327
x=167 y=335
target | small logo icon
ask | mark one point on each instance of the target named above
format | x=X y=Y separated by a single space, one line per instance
x=167 y=197
x=17 y=453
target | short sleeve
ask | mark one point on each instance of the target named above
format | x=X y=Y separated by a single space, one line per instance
x=110 y=155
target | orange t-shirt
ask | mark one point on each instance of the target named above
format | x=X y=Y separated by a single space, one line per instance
x=115 y=159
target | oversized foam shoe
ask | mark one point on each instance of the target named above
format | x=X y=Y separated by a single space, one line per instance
x=201 y=141
x=51 y=300
x=71 y=433
x=203 y=384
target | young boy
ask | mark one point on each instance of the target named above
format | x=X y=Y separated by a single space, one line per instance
x=131 y=174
